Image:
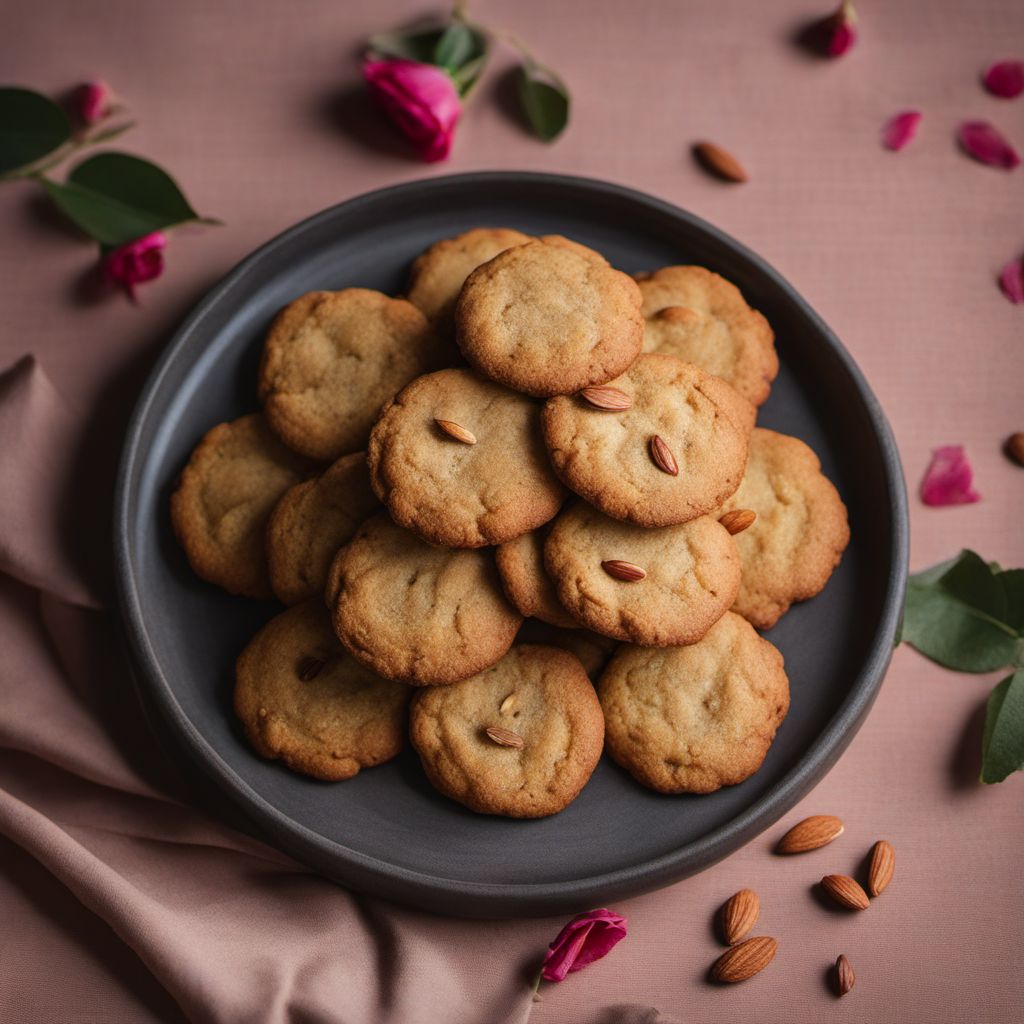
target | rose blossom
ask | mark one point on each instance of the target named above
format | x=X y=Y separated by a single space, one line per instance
x=583 y=940
x=92 y=101
x=420 y=99
x=136 y=262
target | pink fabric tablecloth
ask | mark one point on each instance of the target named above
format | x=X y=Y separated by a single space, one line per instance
x=120 y=898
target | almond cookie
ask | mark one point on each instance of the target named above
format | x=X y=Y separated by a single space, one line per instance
x=418 y=613
x=332 y=359
x=571 y=243
x=311 y=521
x=592 y=649
x=304 y=700
x=718 y=330
x=520 y=739
x=548 y=320
x=655 y=587
x=460 y=460
x=439 y=273
x=799 y=535
x=694 y=719
x=527 y=586
x=225 y=496
x=675 y=453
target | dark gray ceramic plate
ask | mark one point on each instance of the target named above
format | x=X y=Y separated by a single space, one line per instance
x=387 y=831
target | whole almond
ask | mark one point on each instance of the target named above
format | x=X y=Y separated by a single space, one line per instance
x=744 y=960
x=625 y=571
x=504 y=737
x=810 y=834
x=881 y=867
x=720 y=162
x=460 y=433
x=508 y=703
x=662 y=456
x=1014 y=447
x=738 y=915
x=845 y=891
x=738 y=519
x=845 y=977
x=605 y=397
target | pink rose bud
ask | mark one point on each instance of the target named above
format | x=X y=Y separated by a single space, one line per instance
x=1005 y=79
x=136 y=262
x=92 y=101
x=839 y=30
x=420 y=99
x=582 y=941
x=988 y=145
x=900 y=130
x=949 y=478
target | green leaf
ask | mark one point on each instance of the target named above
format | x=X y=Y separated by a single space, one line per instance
x=31 y=126
x=956 y=614
x=418 y=43
x=466 y=76
x=545 y=100
x=1012 y=582
x=456 y=45
x=1002 y=746
x=116 y=198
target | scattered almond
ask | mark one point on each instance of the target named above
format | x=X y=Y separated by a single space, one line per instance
x=1014 y=447
x=504 y=737
x=844 y=975
x=605 y=397
x=718 y=161
x=810 y=834
x=310 y=667
x=738 y=915
x=506 y=704
x=744 y=960
x=845 y=891
x=456 y=431
x=625 y=571
x=662 y=456
x=738 y=519
x=881 y=868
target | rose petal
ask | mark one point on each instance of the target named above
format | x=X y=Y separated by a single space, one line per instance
x=841 y=38
x=948 y=479
x=583 y=940
x=92 y=101
x=1011 y=279
x=136 y=262
x=901 y=129
x=1006 y=79
x=988 y=145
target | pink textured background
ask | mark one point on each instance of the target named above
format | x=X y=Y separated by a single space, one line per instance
x=899 y=253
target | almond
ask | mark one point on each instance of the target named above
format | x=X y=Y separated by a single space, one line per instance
x=881 y=868
x=845 y=891
x=662 y=456
x=738 y=519
x=456 y=431
x=738 y=915
x=605 y=397
x=1014 y=448
x=844 y=975
x=810 y=834
x=718 y=161
x=625 y=571
x=310 y=667
x=744 y=960
x=507 y=704
x=504 y=737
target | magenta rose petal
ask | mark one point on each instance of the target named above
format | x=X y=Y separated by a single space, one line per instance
x=988 y=145
x=900 y=130
x=583 y=940
x=1005 y=79
x=949 y=478
x=136 y=262
x=1011 y=280
x=838 y=32
x=92 y=101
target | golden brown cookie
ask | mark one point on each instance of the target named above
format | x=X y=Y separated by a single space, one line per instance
x=439 y=273
x=527 y=586
x=332 y=359
x=460 y=460
x=592 y=649
x=694 y=719
x=418 y=613
x=311 y=521
x=224 y=498
x=571 y=243
x=548 y=320
x=520 y=739
x=676 y=453
x=304 y=700
x=799 y=535
x=655 y=587
x=701 y=317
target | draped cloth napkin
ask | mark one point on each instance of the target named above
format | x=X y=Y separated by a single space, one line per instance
x=120 y=899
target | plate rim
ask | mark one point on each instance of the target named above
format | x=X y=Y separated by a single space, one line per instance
x=470 y=898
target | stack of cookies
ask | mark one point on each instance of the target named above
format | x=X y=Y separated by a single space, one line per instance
x=532 y=475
